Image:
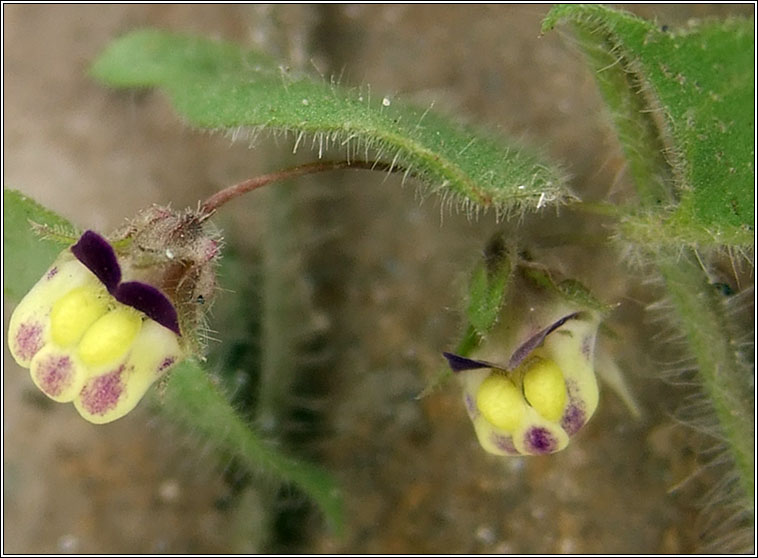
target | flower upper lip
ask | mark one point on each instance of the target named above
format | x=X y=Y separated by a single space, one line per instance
x=535 y=340
x=458 y=363
x=97 y=255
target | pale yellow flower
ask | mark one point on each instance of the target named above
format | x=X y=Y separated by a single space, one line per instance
x=91 y=339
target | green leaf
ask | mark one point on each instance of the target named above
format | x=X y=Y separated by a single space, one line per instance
x=27 y=253
x=216 y=85
x=194 y=400
x=682 y=100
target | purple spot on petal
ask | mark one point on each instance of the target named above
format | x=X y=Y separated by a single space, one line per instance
x=150 y=301
x=101 y=394
x=28 y=340
x=98 y=256
x=166 y=364
x=54 y=374
x=52 y=273
x=540 y=440
x=504 y=443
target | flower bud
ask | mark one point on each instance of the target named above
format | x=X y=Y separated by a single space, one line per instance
x=89 y=336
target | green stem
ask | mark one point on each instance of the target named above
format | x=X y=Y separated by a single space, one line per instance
x=192 y=398
x=707 y=328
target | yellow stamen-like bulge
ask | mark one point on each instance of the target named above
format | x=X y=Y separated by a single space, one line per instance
x=545 y=388
x=110 y=337
x=500 y=402
x=74 y=313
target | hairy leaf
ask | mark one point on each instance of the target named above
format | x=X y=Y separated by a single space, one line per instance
x=29 y=252
x=217 y=85
x=684 y=96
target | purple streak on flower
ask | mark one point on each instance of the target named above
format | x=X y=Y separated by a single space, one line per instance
x=587 y=346
x=150 y=301
x=473 y=412
x=458 y=363
x=28 y=340
x=575 y=415
x=167 y=363
x=99 y=257
x=540 y=440
x=573 y=419
x=102 y=393
x=52 y=273
x=504 y=443
x=535 y=341
x=54 y=373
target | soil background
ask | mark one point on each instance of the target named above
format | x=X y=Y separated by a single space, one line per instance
x=387 y=276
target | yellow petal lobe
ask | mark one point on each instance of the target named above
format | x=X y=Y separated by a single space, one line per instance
x=110 y=396
x=57 y=373
x=29 y=327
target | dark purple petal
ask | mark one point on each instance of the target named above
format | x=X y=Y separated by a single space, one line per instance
x=535 y=341
x=98 y=256
x=458 y=363
x=150 y=301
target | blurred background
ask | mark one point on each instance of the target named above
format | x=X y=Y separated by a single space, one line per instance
x=378 y=272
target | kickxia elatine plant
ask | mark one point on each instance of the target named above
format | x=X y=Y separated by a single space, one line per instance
x=110 y=315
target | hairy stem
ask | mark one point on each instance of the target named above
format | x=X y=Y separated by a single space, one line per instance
x=193 y=399
x=218 y=199
x=703 y=320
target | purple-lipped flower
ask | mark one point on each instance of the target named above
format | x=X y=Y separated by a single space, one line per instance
x=530 y=384
x=99 y=328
